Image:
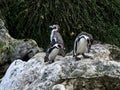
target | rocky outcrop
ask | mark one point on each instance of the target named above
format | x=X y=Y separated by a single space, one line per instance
x=114 y=52
x=12 y=49
x=99 y=73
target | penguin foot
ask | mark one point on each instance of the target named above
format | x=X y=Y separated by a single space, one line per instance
x=50 y=62
x=86 y=56
x=46 y=59
x=77 y=58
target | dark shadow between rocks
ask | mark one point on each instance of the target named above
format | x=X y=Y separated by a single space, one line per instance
x=115 y=54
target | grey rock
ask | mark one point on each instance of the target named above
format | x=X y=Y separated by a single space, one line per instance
x=58 y=87
x=12 y=49
x=99 y=73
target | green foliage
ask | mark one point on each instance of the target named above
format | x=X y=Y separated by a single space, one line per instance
x=31 y=18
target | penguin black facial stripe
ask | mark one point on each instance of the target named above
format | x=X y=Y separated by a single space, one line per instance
x=80 y=38
x=51 y=49
x=84 y=36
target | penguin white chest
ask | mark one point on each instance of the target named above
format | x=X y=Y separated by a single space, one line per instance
x=82 y=46
x=53 y=54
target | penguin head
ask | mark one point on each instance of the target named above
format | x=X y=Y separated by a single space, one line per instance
x=55 y=27
x=58 y=46
x=87 y=36
x=83 y=36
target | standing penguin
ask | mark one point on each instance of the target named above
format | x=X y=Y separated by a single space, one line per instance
x=82 y=44
x=52 y=52
x=55 y=37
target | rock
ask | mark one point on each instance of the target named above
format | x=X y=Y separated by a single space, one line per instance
x=98 y=51
x=12 y=49
x=99 y=73
x=58 y=87
x=23 y=49
x=114 y=51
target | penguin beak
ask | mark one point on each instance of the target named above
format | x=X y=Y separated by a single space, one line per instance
x=51 y=26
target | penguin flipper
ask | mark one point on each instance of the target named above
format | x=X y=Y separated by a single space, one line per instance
x=53 y=42
x=75 y=48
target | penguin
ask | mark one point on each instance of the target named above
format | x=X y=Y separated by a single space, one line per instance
x=56 y=37
x=52 y=52
x=82 y=44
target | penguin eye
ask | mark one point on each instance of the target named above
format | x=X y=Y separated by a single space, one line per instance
x=54 y=27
